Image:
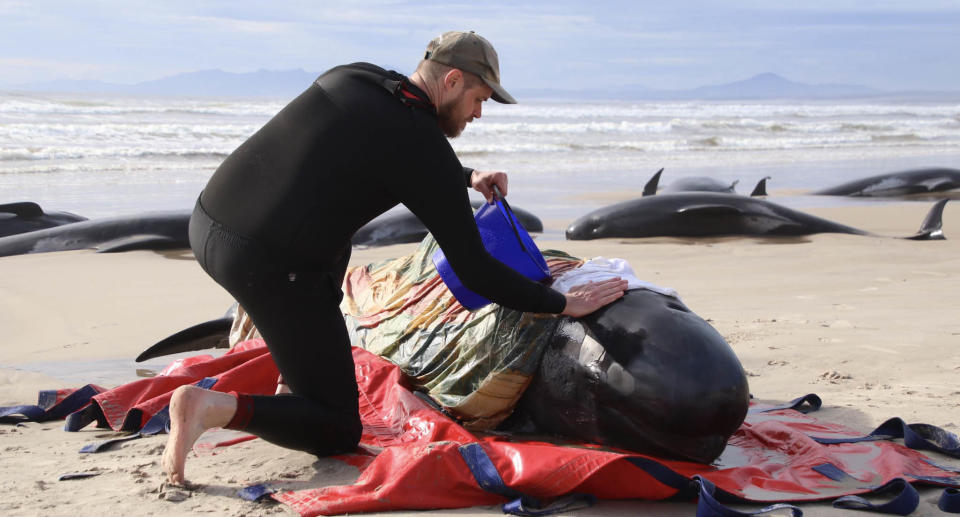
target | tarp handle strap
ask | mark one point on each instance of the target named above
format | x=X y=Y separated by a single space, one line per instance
x=812 y=400
x=486 y=475
x=708 y=506
x=42 y=413
x=915 y=436
x=949 y=501
x=904 y=502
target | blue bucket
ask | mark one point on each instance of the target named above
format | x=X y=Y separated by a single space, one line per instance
x=504 y=238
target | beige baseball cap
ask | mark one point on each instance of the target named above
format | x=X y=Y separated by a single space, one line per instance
x=470 y=52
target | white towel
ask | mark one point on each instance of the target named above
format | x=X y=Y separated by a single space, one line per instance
x=600 y=268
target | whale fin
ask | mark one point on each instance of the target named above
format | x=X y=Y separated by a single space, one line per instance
x=138 y=242
x=22 y=209
x=209 y=334
x=733 y=186
x=761 y=188
x=707 y=210
x=932 y=227
x=650 y=188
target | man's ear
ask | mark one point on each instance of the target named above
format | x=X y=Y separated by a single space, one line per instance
x=453 y=79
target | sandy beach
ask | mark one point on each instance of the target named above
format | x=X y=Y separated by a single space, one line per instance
x=868 y=323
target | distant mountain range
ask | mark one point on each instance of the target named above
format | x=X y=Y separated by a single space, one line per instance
x=288 y=83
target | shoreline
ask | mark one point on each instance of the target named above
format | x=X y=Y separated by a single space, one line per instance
x=868 y=323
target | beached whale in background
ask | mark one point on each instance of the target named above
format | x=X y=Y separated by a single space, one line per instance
x=406 y=228
x=152 y=230
x=904 y=183
x=642 y=372
x=700 y=184
x=706 y=214
x=27 y=216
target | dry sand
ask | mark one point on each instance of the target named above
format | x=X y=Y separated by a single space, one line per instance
x=870 y=324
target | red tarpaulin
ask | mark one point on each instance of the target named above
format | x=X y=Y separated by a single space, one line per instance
x=412 y=456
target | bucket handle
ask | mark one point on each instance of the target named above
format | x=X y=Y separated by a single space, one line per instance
x=509 y=215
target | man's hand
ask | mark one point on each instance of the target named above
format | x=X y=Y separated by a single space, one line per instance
x=586 y=298
x=483 y=182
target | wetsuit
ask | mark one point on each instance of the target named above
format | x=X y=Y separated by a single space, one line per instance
x=274 y=223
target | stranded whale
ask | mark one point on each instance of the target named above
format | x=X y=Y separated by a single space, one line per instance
x=644 y=373
x=700 y=184
x=705 y=214
x=904 y=183
x=153 y=230
x=27 y=216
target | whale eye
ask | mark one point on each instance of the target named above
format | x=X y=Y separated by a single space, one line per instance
x=677 y=307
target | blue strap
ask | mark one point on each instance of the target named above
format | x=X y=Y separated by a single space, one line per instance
x=806 y=404
x=48 y=409
x=707 y=505
x=949 y=501
x=29 y=412
x=833 y=472
x=904 y=502
x=486 y=475
x=255 y=492
x=915 y=436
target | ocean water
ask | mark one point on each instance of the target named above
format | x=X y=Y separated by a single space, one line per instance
x=110 y=155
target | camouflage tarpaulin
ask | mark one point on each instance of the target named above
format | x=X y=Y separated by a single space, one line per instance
x=475 y=364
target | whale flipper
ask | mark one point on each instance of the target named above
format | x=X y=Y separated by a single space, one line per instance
x=761 y=188
x=209 y=334
x=650 y=188
x=932 y=227
x=705 y=210
x=139 y=242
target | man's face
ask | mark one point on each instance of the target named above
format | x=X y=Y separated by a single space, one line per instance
x=462 y=108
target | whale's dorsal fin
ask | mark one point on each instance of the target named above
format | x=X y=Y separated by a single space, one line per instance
x=23 y=209
x=710 y=209
x=650 y=188
x=138 y=242
x=761 y=188
x=932 y=227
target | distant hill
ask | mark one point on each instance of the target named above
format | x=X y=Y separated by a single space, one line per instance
x=761 y=86
x=765 y=86
x=289 y=83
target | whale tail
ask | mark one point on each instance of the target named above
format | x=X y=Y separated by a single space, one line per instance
x=932 y=227
x=761 y=188
x=650 y=188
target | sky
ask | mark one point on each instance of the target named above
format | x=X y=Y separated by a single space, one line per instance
x=884 y=44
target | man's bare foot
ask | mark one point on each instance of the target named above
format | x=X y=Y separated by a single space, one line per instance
x=193 y=410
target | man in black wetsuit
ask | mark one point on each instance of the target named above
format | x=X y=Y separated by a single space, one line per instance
x=274 y=223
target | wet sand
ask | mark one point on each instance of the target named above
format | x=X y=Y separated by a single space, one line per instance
x=868 y=323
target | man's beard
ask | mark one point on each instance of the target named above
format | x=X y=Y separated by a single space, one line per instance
x=451 y=126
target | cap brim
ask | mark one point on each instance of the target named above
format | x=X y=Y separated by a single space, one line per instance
x=499 y=94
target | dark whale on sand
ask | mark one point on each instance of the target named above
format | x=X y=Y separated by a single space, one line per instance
x=27 y=216
x=152 y=230
x=706 y=214
x=405 y=227
x=904 y=183
x=643 y=373
x=700 y=184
